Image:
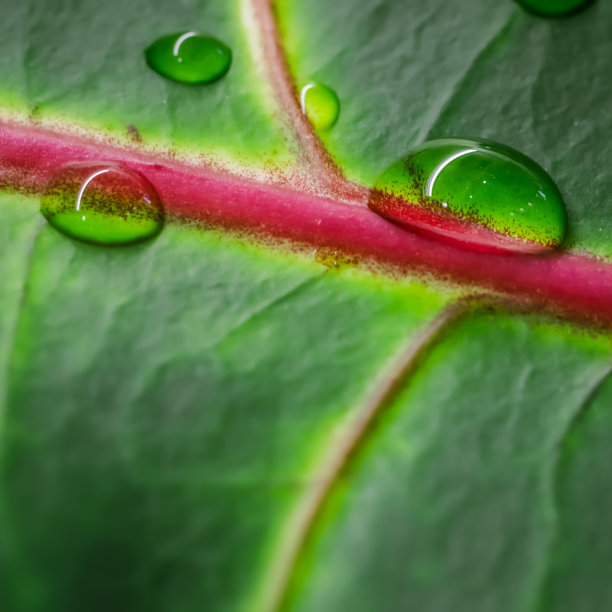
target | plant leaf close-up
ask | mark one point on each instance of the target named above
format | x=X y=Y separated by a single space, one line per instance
x=233 y=377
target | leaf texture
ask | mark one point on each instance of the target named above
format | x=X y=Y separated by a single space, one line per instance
x=213 y=421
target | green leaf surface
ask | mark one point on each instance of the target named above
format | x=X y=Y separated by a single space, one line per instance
x=460 y=485
x=169 y=411
x=84 y=62
x=170 y=419
x=582 y=511
x=407 y=72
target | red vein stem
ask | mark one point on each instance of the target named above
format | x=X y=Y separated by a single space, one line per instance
x=302 y=524
x=322 y=168
x=573 y=286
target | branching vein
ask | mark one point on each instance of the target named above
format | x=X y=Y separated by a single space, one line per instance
x=309 y=508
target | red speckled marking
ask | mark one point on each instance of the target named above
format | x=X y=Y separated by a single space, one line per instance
x=574 y=285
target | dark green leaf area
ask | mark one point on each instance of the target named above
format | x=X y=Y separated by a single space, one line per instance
x=449 y=504
x=578 y=578
x=164 y=405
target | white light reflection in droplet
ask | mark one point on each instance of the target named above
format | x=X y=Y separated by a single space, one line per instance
x=303 y=96
x=180 y=40
x=434 y=175
x=84 y=186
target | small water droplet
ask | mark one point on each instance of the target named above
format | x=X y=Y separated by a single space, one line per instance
x=189 y=57
x=439 y=188
x=121 y=205
x=553 y=8
x=320 y=104
x=333 y=259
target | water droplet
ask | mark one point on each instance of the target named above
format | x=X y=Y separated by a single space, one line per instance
x=333 y=259
x=104 y=203
x=320 y=104
x=554 y=8
x=189 y=57
x=479 y=211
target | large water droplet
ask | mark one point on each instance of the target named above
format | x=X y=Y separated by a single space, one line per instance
x=475 y=191
x=189 y=57
x=320 y=104
x=553 y=8
x=104 y=203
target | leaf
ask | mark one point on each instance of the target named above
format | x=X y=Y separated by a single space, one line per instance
x=220 y=418
x=459 y=482
x=178 y=425
x=408 y=72
x=84 y=63
x=582 y=528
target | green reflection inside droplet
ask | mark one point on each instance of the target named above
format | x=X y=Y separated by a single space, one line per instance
x=320 y=104
x=102 y=203
x=189 y=57
x=554 y=8
x=472 y=181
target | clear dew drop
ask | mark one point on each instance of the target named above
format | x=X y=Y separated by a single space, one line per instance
x=189 y=57
x=102 y=203
x=553 y=8
x=479 y=192
x=320 y=104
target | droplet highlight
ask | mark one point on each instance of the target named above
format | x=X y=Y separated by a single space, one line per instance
x=320 y=104
x=103 y=203
x=553 y=8
x=478 y=192
x=189 y=57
